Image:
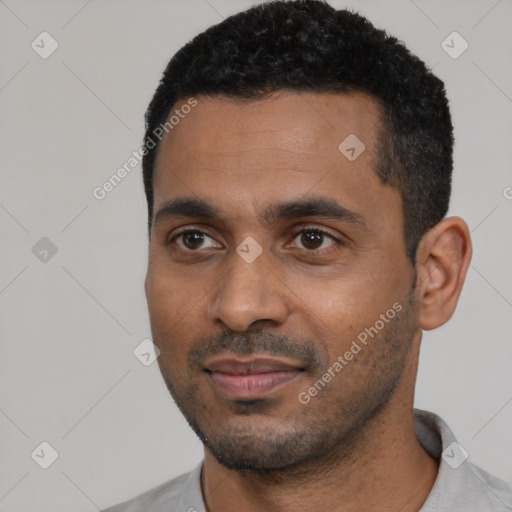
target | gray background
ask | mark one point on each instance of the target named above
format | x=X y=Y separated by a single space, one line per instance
x=69 y=324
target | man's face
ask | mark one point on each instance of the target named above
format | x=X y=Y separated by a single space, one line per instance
x=253 y=301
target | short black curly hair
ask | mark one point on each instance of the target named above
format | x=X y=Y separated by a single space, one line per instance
x=307 y=45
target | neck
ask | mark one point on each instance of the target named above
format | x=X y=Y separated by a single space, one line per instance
x=384 y=469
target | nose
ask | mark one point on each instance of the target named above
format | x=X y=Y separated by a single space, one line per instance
x=248 y=294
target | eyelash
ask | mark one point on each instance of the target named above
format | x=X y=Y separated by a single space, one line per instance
x=306 y=229
x=314 y=229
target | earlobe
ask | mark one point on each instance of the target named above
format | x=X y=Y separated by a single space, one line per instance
x=443 y=258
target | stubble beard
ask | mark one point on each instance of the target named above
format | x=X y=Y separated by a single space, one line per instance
x=326 y=430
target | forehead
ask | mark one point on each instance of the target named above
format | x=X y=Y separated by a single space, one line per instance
x=284 y=129
x=294 y=124
x=244 y=154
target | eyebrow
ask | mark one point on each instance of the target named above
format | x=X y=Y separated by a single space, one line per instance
x=324 y=207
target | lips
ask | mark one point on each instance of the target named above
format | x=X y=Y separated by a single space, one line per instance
x=252 y=366
x=250 y=378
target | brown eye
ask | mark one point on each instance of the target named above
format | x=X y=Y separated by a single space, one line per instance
x=192 y=240
x=314 y=239
x=311 y=239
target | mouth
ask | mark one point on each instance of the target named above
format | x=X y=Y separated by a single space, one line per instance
x=256 y=377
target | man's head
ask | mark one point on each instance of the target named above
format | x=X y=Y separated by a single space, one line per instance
x=286 y=297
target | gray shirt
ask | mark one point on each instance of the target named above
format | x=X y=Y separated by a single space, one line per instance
x=459 y=486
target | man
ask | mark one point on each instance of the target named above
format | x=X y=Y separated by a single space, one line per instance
x=297 y=168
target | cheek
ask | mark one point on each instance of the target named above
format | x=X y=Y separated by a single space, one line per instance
x=167 y=292
x=345 y=306
x=175 y=309
x=169 y=328
x=160 y=297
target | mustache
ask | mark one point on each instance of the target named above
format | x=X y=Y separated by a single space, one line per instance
x=257 y=342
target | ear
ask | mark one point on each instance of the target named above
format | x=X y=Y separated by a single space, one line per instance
x=442 y=260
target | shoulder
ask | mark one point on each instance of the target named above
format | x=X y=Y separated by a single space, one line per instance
x=460 y=484
x=488 y=490
x=163 y=498
x=468 y=488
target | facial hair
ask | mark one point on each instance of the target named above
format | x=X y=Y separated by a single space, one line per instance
x=330 y=423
